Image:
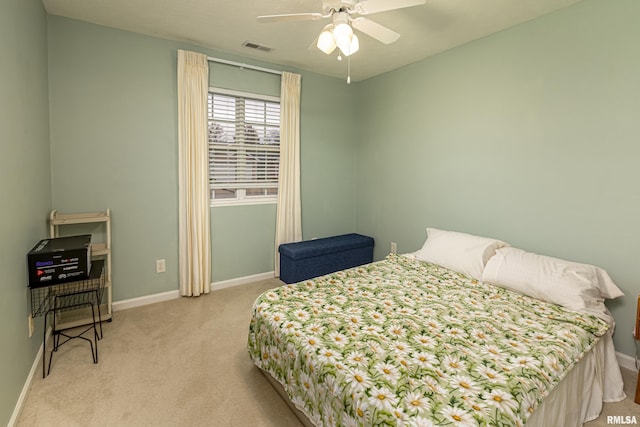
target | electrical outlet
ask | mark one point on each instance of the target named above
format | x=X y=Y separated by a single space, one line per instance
x=161 y=266
x=394 y=248
x=32 y=326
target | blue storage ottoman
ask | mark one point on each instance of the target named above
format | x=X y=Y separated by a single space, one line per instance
x=312 y=258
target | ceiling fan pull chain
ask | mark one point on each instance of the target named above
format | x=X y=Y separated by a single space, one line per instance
x=349 y=70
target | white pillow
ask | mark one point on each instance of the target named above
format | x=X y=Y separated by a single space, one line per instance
x=461 y=252
x=580 y=287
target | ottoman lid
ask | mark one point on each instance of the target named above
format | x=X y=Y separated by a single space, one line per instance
x=325 y=245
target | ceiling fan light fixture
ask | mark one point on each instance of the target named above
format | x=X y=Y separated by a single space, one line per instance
x=339 y=33
x=342 y=31
x=343 y=34
x=326 y=42
x=354 y=46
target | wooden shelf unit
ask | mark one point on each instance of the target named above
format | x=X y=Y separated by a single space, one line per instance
x=99 y=250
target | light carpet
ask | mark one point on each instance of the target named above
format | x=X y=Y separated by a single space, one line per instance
x=178 y=363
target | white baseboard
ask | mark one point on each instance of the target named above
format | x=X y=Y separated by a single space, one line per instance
x=626 y=361
x=17 y=410
x=242 y=280
x=166 y=296
x=145 y=300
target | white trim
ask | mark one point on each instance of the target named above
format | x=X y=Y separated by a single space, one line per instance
x=145 y=300
x=17 y=410
x=216 y=203
x=626 y=361
x=242 y=280
x=166 y=296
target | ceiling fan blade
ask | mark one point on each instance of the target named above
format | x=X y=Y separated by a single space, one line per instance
x=374 y=6
x=375 y=30
x=290 y=17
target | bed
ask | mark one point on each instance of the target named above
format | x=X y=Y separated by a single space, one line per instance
x=408 y=342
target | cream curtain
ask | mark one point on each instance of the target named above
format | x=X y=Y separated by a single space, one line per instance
x=193 y=179
x=288 y=217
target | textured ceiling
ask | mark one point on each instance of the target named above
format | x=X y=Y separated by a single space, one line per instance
x=224 y=26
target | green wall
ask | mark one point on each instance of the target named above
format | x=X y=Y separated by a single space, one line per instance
x=25 y=192
x=529 y=135
x=114 y=144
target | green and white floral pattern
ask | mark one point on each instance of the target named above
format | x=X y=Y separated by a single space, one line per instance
x=406 y=343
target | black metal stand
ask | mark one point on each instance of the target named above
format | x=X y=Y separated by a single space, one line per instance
x=56 y=334
x=55 y=299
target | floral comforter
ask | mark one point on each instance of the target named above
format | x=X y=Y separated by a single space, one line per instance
x=405 y=343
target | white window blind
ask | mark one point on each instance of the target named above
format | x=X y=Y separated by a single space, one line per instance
x=244 y=146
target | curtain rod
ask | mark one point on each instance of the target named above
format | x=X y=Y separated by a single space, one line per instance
x=241 y=65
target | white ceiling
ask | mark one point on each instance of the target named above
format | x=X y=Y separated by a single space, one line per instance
x=224 y=26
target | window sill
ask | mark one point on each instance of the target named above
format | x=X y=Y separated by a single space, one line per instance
x=245 y=202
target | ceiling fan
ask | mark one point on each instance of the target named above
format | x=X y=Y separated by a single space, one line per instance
x=345 y=15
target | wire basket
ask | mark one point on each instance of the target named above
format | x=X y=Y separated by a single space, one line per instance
x=71 y=295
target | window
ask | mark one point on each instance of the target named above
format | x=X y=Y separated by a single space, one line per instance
x=244 y=147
